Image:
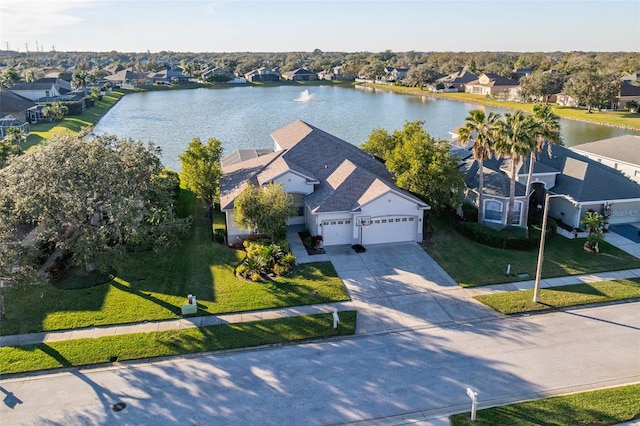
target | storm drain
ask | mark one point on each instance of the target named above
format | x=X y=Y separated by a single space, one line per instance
x=119 y=406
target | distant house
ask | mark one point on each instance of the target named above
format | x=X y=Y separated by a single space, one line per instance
x=300 y=74
x=336 y=73
x=167 y=76
x=14 y=105
x=216 y=74
x=10 y=121
x=394 y=74
x=456 y=81
x=263 y=74
x=628 y=92
x=621 y=153
x=491 y=84
x=336 y=186
x=127 y=77
x=630 y=78
x=566 y=100
x=585 y=184
x=43 y=88
x=518 y=73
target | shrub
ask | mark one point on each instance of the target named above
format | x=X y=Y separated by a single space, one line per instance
x=469 y=212
x=255 y=277
x=281 y=269
x=507 y=238
x=288 y=260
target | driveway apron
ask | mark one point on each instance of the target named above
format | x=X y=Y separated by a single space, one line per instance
x=399 y=286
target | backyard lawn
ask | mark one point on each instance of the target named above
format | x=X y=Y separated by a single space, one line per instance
x=153 y=286
x=473 y=264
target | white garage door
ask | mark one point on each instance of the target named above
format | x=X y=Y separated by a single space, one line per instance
x=337 y=231
x=390 y=230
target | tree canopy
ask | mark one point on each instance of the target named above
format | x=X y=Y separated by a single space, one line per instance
x=201 y=169
x=420 y=164
x=592 y=89
x=89 y=201
x=264 y=209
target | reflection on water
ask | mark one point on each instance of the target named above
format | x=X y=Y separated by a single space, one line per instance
x=244 y=117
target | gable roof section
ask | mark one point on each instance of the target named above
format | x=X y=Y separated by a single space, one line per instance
x=624 y=148
x=346 y=176
x=11 y=102
x=496 y=183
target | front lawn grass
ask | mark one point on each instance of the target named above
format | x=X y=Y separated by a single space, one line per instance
x=153 y=286
x=73 y=123
x=79 y=352
x=473 y=264
x=600 y=407
x=516 y=302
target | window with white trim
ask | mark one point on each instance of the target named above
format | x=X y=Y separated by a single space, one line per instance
x=517 y=209
x=493 y=211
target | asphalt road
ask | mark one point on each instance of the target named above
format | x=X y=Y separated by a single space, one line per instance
x=347 y=380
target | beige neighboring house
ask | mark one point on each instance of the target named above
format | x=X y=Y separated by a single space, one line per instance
x=335 y=185
x=491 y=84
x=127 y=77
x=621 y=153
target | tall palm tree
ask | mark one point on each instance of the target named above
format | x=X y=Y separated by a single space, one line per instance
x=480 y=128
x=514 y=140
x=546 y=129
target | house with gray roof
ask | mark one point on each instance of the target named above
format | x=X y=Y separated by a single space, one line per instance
x=455 y=82
x=300 y=74
x=336 y=186
x=620 y=152
x=491 y=84
x=14 y=105
x=586 y=184
x=42 y=88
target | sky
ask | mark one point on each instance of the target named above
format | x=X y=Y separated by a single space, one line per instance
x=305 y=25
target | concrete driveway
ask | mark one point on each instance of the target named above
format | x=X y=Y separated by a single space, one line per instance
x=399 y=286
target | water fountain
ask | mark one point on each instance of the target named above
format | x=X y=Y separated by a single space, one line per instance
x=305 y=96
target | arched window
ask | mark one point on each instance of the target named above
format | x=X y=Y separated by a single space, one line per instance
x=493 y=211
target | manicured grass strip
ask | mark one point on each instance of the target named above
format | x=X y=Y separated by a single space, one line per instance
x=601 y=407
x=473 y=264
x=516 y=302
x=79 y=352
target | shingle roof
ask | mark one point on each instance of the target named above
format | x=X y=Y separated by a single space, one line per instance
x=10 y=102
x=623 y=148
x=347 y=177
x=496 y=182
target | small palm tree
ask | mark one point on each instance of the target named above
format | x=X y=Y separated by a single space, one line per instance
x=480 y=128
x=514 y=140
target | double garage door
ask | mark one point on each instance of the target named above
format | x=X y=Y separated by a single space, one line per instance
x=381 y=230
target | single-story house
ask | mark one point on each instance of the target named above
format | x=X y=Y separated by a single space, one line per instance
x=127 y=77
x=263 y=74
x=582 y=183
x=300 y=74
x=343 y=194
x=628 y=92
x=14 y=105
x=216 y=73
x=456 y=81
x=336 y=73
x=620 y=152
x=491 y=84
x=167 y=76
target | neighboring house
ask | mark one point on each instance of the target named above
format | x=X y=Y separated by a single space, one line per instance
x=586 y=184
x=263 y=74
x=167 y=76
x=566 y=100
x=621 y=153
x=455 y=82
x=212 y=73
x=300 y=74
x=491 y=84
x=35 y=115
x=394 y=74
x=630 y=78
x=335 y=185
x=628 y=92
x=336 y=73
x=126 y=77
x=518 y=73
x=14 y=105
x=10 y=121
x=43 y=88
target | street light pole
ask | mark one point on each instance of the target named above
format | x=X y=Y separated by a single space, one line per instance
x=536 y=288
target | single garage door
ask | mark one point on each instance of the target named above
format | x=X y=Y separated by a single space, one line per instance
x=336 y=232
x=390 y=230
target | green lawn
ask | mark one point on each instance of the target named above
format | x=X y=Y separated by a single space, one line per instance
x=601 y=407
x=152 y=286
x=515 y=302
x=615 y=118
x=73 y=123
x=472 y=264
x=170 y=343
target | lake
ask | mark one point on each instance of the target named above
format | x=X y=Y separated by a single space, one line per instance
x=245 y=116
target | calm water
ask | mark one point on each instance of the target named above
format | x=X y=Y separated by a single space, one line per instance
x=244 y=117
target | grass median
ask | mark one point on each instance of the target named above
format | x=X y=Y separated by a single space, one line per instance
x=517 y=302
x=73 y=353
x=601 y=407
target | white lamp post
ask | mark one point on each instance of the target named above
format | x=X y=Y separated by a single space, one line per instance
x=536 y=288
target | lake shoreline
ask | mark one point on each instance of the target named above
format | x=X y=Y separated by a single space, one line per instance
x=495 y=104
